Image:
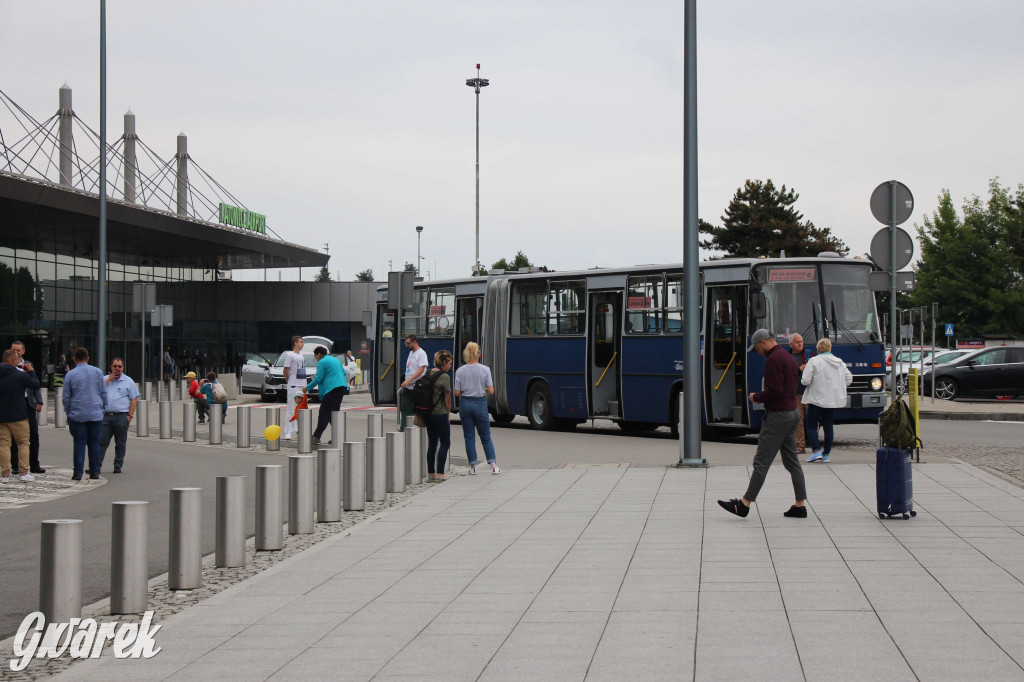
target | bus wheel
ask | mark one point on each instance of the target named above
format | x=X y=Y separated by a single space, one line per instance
x=637 y=427
x=538 y=408
x=503 y=418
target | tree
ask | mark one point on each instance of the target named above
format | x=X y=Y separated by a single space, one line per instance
x=409 y=267
x=761 y=221
x=519 y=261
x=974 y=267
x=323 y=276
x=365 y=276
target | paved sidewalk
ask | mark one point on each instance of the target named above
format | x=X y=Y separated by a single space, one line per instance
x=614 y=573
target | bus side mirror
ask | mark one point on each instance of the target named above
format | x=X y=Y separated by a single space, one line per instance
x=758 y=305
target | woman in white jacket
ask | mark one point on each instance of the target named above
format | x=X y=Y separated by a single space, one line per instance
x=826 y=378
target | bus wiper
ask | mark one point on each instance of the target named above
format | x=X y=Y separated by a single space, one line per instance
x=846 y=332
x=815 y=324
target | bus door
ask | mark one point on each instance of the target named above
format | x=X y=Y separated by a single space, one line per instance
x=604 y=354
x=385 y=349
x=469 y=313
x=725 y=355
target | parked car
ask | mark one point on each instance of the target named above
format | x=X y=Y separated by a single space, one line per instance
x=273 y=386
x=253 y=369
x=988 y=372
x=937 y=357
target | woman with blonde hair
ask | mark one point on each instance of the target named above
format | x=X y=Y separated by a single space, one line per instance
x=826 y=378
x=473 y=383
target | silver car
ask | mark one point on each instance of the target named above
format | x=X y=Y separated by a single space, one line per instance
x=255 y=366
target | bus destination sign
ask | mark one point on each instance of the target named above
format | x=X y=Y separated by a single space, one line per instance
x=791 y=275
x=239 y=217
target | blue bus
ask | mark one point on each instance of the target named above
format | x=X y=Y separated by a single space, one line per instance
x=566 y=347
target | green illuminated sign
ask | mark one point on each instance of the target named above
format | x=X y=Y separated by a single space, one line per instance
x=239 y=217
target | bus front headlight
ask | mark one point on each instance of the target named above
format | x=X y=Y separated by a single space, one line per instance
x=876 y=384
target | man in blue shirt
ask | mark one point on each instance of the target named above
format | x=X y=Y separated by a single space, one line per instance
x=330 y=377
x=85 y=400
x=122 y=399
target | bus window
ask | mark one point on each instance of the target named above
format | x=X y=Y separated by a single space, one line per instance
x=792 y=295
x=441 y=313
x=529 y=308
x=643 y=305
x=566 y=313
x=846 y=289
x=674 y=305
x=414 y=320
x=604 y=335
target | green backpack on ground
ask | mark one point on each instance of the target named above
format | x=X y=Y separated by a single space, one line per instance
x=896 y=426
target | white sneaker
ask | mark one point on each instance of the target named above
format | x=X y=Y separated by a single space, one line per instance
x=27 y=478
x=495 y=469
x=472 y=471
x=287 y=436
x=5 y=479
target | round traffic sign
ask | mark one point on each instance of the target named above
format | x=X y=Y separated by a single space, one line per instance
x=881 y=248
x=882 y=203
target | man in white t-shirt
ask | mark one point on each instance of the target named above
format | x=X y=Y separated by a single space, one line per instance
x=294 y=378
x=415 y=365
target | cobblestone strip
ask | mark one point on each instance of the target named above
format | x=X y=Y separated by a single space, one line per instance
x=49 y=486
x=165 y=602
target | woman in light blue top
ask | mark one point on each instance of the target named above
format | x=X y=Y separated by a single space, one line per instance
x=473 y=384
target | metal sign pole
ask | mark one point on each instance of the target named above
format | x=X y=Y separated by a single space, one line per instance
x=892 y=285
x=935 y=314
x=160 y=354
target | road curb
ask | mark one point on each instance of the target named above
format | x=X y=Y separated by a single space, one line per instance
x=974 y=416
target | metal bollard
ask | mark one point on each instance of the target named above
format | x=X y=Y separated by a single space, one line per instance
x=230 y=551
x=269 y=511
x=166 y=417
x=395 y=462
x=188 y=422
x=354 y=484
x=243 y=417
x=374 y=425
x=60 y=420
x=152 y=394
x=424 y=449
x=43 y=415
x=273 y=417
x=413 y=458
x=300 y=494
x=376 y=470
x=60 y=570
x=328 y=485
x=339 y=425
x=185 y=555
x=141 y=418
x=183 y=389
x=216 y=426
x=129 y=557
x=304 y=422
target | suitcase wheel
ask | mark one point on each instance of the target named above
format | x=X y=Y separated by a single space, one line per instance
x=881 y=515
x=906 y=516
x=913 y=513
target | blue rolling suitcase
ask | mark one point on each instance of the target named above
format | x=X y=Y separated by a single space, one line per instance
x=894 y=485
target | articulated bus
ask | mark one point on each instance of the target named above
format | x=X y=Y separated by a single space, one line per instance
x=567 y=347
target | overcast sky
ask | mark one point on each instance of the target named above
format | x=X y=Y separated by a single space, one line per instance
x=350 y=123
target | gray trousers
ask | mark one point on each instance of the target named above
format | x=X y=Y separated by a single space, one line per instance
x=777 y=432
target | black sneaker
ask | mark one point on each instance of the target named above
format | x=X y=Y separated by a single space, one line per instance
x=39 y=470
x=76 y=477
x=94 y=477
x=734 y=506
x=117 y=470
x=796 y=512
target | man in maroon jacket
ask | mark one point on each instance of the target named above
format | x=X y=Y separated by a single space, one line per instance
x=777 y=427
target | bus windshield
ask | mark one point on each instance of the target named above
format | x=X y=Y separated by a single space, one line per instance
x=792 y=295
x=850 y=303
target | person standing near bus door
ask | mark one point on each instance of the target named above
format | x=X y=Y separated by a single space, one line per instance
x=415 y=365
x=800 y=356
x=826 y=378
x=780 y=418
x=473 y=383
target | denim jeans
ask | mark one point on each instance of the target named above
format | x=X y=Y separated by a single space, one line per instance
x=439 y=432
x=820 y=415
x=86 y=435
x=116 y=426
x=475 y=419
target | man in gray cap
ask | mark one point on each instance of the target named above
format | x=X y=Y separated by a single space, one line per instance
x=780 y=418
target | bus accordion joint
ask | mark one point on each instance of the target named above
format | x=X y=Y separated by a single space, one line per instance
x=387 y=370
x=614 y=355
x=722 y=378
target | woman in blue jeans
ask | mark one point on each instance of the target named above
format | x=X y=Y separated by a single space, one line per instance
x=439 y=429
x=473 y=384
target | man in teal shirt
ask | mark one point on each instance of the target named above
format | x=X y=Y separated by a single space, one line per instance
x=330 y=377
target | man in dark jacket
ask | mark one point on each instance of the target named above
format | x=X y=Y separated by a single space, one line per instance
x=34 y=400
x=14 y=414
x=777 y=427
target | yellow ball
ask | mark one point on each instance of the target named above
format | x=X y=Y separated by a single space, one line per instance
x=272 y=432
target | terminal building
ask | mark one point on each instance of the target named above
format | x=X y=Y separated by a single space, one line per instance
x=160 y=229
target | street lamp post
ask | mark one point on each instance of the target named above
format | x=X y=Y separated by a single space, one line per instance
x=476 y=84
x=419 y=233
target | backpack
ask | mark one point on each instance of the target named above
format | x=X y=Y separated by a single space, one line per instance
x=423 y=392
x=896 y=426
x=219 y=394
